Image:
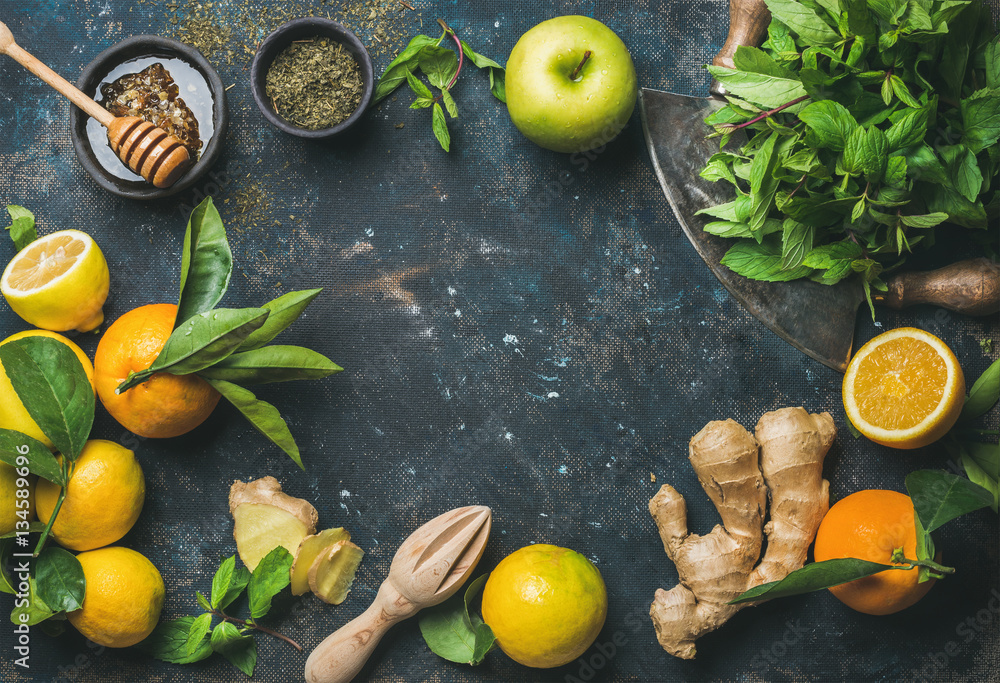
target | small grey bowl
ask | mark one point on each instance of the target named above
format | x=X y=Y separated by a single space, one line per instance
x=138 y=47
x=299 y=29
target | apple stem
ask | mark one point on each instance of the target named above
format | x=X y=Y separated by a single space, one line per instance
x=461 y=53
x=579 y=67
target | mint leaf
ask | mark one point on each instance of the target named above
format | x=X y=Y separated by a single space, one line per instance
x=907 y=129
x=796 y=241
x=828 y=125
x=961 y=163
x=755 y=60
x=196 y=635
x=924 y=221
x=803 y=21
x=761 y=89
x=417 y=86
x=268 y=579
x=168 y=642
x=222 y=580
x=440 y=128
x=240 y=650
x=439 y=65
x=449 y=103
x=405 y=61
x=835 y=259
x=22 y=228
x=981 y=119
x=760 y=262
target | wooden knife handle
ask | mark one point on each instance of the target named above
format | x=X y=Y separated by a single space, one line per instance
x=343 y=653
x=748 y=21
x=971 y=287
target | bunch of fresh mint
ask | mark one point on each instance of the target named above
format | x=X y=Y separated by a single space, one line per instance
x=441 y=66
x=870 y=123
x=191 y=639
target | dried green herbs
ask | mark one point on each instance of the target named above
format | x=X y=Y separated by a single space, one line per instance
x=314 y=83
x=198 y=25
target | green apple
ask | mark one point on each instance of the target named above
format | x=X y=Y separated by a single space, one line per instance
x=561 y=105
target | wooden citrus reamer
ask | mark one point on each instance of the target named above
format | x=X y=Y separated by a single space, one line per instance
x=429 y=567
x=149 y=151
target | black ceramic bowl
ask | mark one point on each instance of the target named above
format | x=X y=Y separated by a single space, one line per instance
x=129 y=56
x=299 y=29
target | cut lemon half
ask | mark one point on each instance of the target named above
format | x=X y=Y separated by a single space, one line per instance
x=58 y=282
x=904 y=389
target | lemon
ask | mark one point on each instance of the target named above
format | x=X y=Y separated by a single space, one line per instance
x=13 y=414
x=103 y=499
x=58 y=282
x=9 y=498
x=545 y=604
x=123 y=599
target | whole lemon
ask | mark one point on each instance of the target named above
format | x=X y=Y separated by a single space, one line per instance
x=103 y=499
x=58 y=282
x=10 y=500
x=123 y=600
x=13 y=414
x=545 y=604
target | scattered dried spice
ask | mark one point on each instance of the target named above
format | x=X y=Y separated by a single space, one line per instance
x=382 y=25
x=200 y=26
x=151 y=95
x=314 y=83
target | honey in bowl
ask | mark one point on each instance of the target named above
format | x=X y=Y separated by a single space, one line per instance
x=166 y=91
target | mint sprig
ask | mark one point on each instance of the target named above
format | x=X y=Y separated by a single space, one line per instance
x=191 y=639
x=22 y=228
x=441 y=66
x=872 y=124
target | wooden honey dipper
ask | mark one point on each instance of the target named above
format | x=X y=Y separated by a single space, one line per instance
x=151 y=152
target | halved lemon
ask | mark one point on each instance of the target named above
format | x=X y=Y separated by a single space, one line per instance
x=904 y=388
x=58 y=282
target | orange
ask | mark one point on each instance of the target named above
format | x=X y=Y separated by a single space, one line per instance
x=164 y=406
x=545 y=605
x=123 y=598
x=103 y=499
x=870 y=525
x=904 y=389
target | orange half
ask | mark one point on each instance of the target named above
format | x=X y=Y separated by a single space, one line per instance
x=904 y=389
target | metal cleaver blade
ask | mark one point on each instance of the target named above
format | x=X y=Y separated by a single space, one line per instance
x=816 y=319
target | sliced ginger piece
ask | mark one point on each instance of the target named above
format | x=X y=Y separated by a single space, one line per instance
x=311 y=548
x=331 y=575
x=265 y=518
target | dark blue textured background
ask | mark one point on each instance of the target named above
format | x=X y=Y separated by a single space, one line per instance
x=519 y=329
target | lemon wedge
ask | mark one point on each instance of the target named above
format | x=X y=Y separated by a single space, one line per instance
x=59 y=282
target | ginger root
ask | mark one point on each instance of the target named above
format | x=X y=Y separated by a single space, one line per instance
x=264 y=517
x=739 y=473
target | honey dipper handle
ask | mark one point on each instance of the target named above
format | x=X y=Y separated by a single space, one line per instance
x=30 y=63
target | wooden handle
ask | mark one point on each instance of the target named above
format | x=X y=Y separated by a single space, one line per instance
x=340 y=657
x=748 y=21
x=971 y=287
x=30 y=63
